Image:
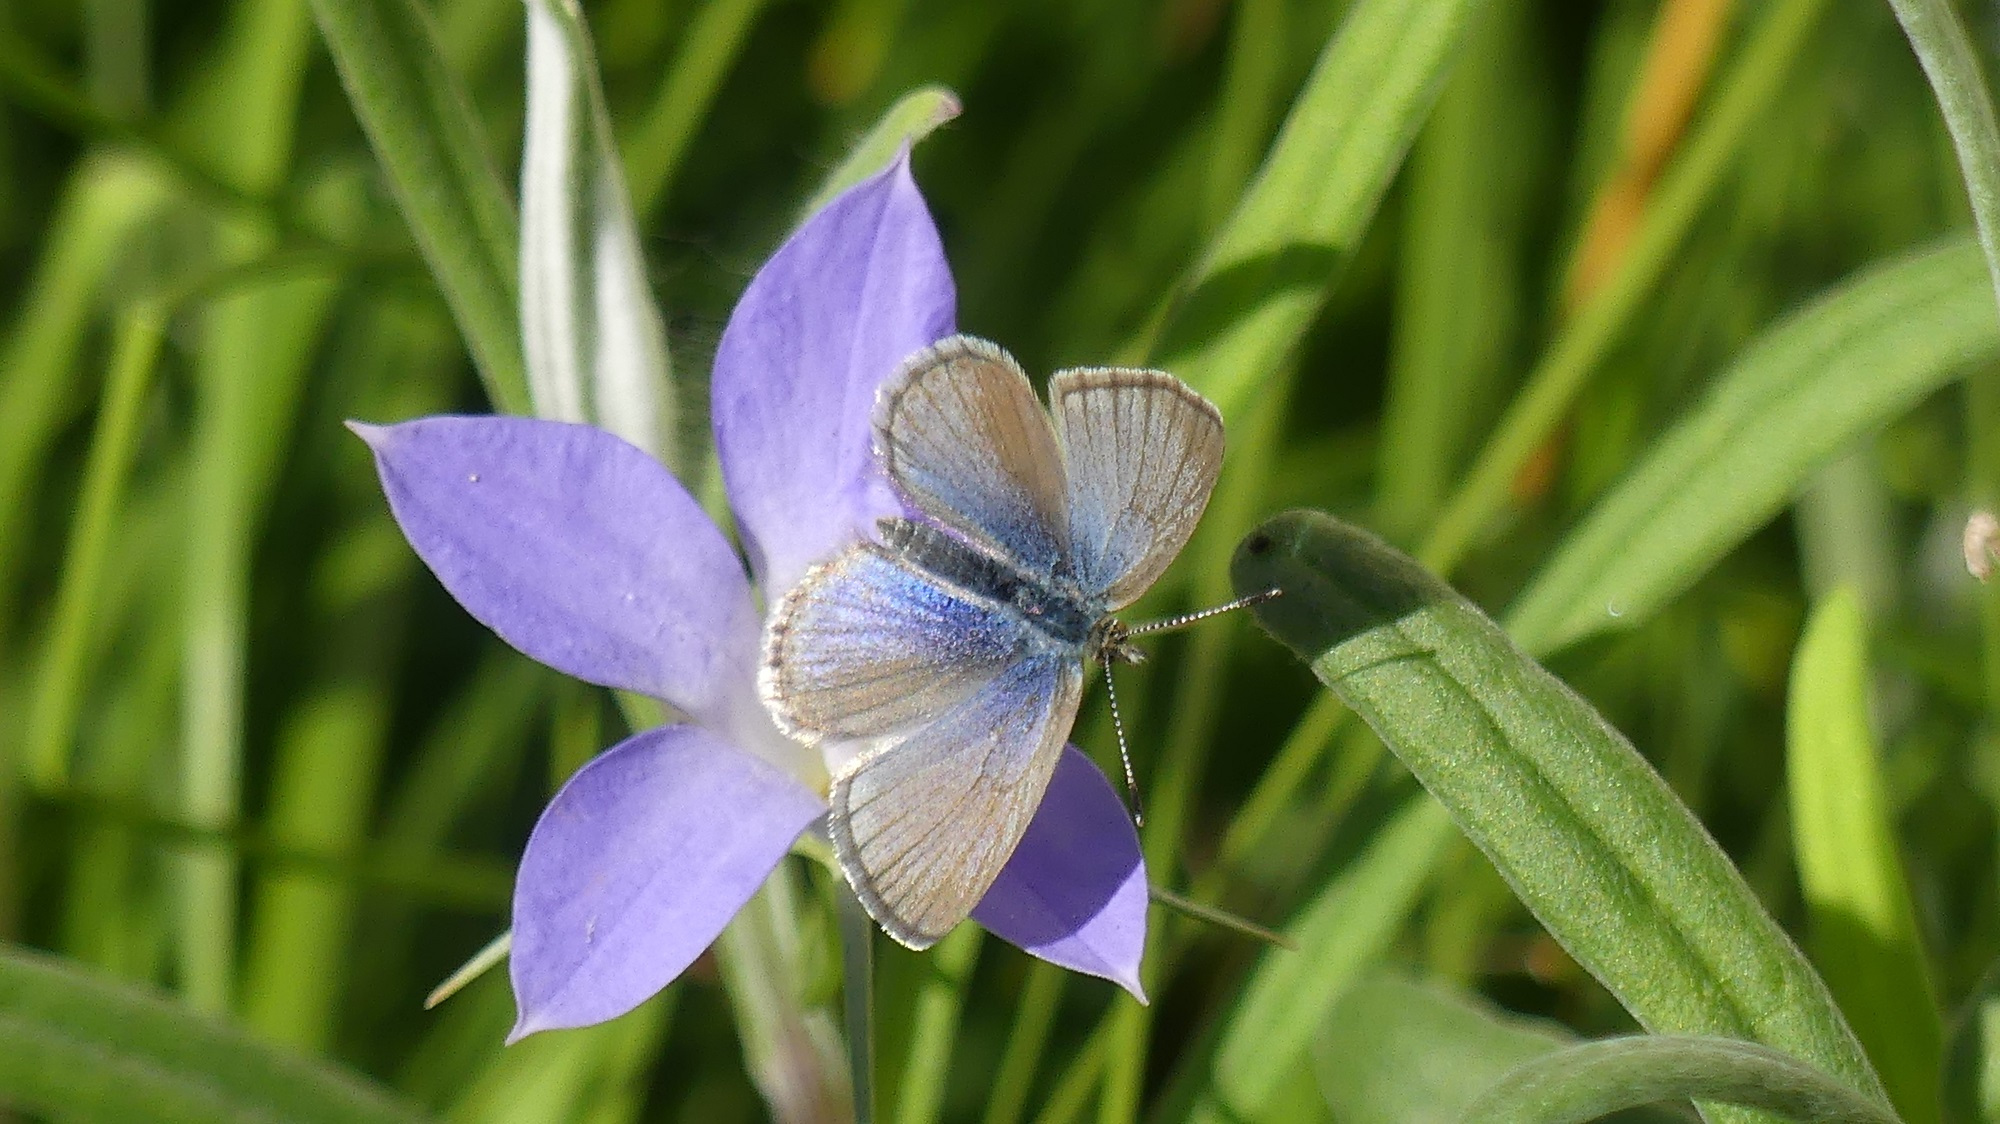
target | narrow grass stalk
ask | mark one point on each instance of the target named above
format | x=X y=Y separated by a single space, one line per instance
x=857 y=983
x=66 y=656
x=1034 y=1017
x=934 y=1032
x=653 y=148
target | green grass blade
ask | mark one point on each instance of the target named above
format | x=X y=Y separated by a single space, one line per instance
x=1252 y=95
x=58 y=694
x=1857 y=357
x=714 y=40
x=934 y=1028
x=590 y=1074
x=1459 y=307
x=421 y=124
x=106 y=198
x=87 y=1050
x=1951 y=65
x=1864 y=933
x=256 y=348
x=1259 y=286
x=1034 y=1018
x=1598 y=1078
x=595 y=344
x=1741 y=102
x=1588 y=835
x=1343 y=930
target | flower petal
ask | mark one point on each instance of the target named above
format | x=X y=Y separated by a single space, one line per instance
x=581 y=551
x=861 y=286
x=635 y=867
x=1074 y=893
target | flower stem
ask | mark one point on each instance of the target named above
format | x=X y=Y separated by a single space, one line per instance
x=857 y=953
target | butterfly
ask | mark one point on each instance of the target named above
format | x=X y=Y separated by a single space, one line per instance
x=954 y=648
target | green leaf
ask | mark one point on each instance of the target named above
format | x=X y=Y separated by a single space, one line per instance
x=596 y=347
x=89 y=1050
x=421 y=125
x=1840 y=367
x=1396 y=1051
x=1262 y=282
x=1339 y=933
x=914 y=116
x=1597 y=1078
x=1458 y=319
x=1864 y=933
x=1587 y=834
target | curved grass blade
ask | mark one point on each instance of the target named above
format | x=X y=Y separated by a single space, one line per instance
x=1587 y=834
x=421 y=124
x=1264 y=278
x=1952 y=66
x=88 y=1050
x=1856 y=357
x=1598 y=1078
x=1864 y=931
x=596 y=347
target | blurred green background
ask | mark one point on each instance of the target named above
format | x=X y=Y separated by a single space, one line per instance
x=255 y=757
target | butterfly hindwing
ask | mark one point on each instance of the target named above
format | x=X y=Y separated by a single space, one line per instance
x=964 y=438
x=1143 y=450
x=923 y=826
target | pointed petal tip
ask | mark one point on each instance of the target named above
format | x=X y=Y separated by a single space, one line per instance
x=375 y=435
x=1074 y=892
x=637 y=865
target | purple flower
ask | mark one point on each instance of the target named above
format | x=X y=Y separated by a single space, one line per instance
x=588 y=555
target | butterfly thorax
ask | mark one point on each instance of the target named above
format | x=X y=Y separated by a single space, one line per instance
x=1050 y=602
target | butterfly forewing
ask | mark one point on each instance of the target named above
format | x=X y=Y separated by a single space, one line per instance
x=868 y=645
x=1143 y=450
x=963 y=436
x=922 y=827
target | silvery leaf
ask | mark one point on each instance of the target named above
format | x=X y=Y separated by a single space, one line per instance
x=596 y=346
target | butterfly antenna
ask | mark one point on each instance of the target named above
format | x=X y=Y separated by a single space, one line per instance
x=1186 y=619
x=1124 y=754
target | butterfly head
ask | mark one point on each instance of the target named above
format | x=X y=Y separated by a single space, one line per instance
x=1111 y=641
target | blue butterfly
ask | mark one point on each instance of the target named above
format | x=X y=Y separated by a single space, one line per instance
x=954 y=649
